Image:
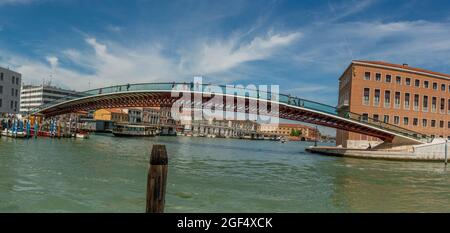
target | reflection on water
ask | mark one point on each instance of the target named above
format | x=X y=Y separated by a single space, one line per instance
x=108 y=174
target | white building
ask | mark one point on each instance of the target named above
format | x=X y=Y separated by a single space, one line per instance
x=32 y=97
x=147 y=116
x=10 y=82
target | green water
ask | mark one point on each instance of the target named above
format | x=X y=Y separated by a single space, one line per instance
x=108 y=174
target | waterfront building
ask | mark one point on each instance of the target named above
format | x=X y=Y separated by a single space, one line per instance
x=167 y=123
x=32 y=97
x=147 y=116
x=222 y=128
x=303 y=132
x=116 y=115
x=407 y=97
x=150 y=116
x=135 y=115
x=10 y=84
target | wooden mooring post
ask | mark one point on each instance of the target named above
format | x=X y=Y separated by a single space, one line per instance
x=156 y=180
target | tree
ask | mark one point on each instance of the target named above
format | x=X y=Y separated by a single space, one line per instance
x=296 y=133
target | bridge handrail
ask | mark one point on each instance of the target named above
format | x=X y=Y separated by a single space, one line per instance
x=225 y=89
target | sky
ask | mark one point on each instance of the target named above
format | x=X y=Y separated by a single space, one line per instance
x=303 y=46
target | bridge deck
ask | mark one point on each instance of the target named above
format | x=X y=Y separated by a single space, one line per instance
x=291 y=108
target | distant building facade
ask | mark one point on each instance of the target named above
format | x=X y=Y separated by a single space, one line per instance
x=222 y=128
x=10 y=84
x=150 y=116
x=400 y=95
x=145 y=116
x=32 y=97
x=304 y=132
x=115 y=115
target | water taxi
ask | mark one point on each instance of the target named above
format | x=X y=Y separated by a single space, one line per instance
x=128 y=130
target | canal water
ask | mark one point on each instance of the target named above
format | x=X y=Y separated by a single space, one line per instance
x=108 y=174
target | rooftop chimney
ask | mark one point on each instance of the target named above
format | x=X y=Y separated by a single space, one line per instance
x=405 y=65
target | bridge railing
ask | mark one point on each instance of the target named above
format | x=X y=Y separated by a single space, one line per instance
x=241 y=91
x=352 y=116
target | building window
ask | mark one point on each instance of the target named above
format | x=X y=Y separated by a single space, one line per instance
x=406 y=100
x=13 y=79
x=388 y=78
x=11 y=105
x=448 y=123
x=433 y=104
x=408 y=81
x=2 y=104
x=386 y=119
x=12 y=91
x=405 y=120
x=17 y=92
x=1 y=76
x=433 y=123
x=376 y=99
x=398 y=80
x=425 y=84
x=441 y=124
x=376 y=117
x=396 y=120
x=1 y=90
x=366 y=96
x=424 y=122
x=367 y=76
x=387 y=99
x=417 y=83
x=448 y=106
x=415 y=121
x=435 y=86
x=442 y=87
x=397 y=99
x=442 y=105
x=365 y=117
x=425 y=103
x=378 y=77
x=416 y=102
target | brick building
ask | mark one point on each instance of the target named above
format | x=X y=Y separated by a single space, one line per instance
x=411 y=98
x=283 y=129
x=116 y=115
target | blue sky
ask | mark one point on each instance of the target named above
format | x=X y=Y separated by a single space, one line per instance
x=303 y=46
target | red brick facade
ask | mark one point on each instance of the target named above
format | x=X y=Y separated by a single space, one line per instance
x=411 y=98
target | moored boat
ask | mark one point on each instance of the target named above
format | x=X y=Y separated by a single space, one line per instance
x=10 y=133
x=82 y=135
x=128 y=130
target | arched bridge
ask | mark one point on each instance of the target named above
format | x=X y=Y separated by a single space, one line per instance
x=290 y=108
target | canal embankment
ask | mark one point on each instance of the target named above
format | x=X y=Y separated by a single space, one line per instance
x=437 y=151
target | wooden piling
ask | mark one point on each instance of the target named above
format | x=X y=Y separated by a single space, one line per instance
x=156 y=180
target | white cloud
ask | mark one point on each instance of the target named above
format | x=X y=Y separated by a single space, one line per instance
x=111 y=64
x=53 y=61
x=349 y=8
x=332 y=46
x=114 y=28
x=224 y=55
